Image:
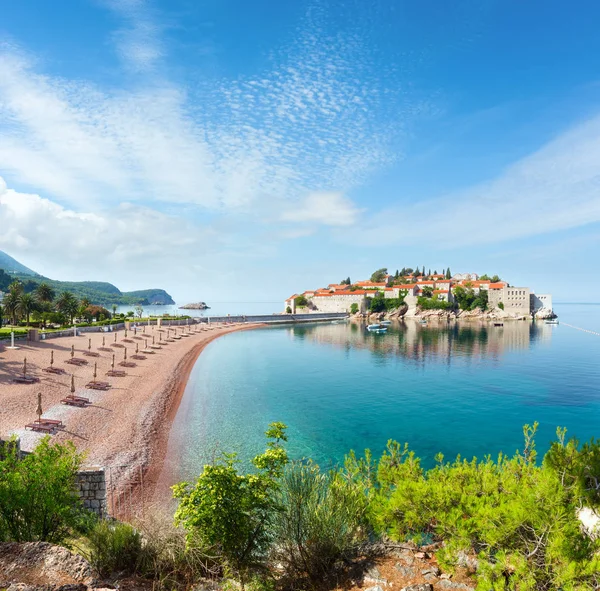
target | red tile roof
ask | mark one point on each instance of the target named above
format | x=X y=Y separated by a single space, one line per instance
x=498 y=285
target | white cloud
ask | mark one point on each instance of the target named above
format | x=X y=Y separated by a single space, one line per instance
x=312 y=122
x=329 y=209
x=556 y=188
x=116 y=243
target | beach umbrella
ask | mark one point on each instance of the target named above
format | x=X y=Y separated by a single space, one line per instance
x=115 y=336
x=95 y=371
x=103 y=341
x=137 y=349
x=39 y=410
x=89 y=344
x=153 y=339
x=72 y=384
x=144 y=330
x=125 y=353
x=125 y=333
x=72 y=351
x=145 y=343
x=113 y=362
x=25 y=367
x=51 y=358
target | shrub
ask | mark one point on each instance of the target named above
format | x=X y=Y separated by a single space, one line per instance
x=354 y=308
x=501 y=305
x=114 y=547
x=517 y=517
x=319 y=523
x=231 y=512
x=38 y=494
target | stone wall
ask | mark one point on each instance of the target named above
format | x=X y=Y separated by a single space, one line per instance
x=91 y=483
x=339 y=303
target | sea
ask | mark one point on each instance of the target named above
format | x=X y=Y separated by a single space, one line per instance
x=460 y=389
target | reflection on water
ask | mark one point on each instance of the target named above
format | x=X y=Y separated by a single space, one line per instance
x=438 y=342
x=463 y=388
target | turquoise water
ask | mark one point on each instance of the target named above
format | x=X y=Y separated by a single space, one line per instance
x=466 y=389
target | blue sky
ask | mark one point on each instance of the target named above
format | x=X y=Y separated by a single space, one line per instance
x=245 y=150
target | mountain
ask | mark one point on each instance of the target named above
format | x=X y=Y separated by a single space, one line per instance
x=98 y=292
x=10 y=265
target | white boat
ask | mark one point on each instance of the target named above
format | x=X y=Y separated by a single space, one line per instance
x=554 y=321
x=386 y=323
x=376 y=328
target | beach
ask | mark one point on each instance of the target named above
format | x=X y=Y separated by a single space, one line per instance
x=125 y=428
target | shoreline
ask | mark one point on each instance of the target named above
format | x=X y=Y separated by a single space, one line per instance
x=124 y=429
x=174 y=396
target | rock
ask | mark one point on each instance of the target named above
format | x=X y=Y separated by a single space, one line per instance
x=466 y=561
x=419 y=587
x=405 y=571
x=421 y=555
x=33 y=561
x=445 y=584
x=433 y=570
x=445 y=576
x=376 y=588
x=374 y=576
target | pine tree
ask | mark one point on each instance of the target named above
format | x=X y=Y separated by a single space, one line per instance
x=448 y=274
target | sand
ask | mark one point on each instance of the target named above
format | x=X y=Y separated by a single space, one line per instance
x=125 y=429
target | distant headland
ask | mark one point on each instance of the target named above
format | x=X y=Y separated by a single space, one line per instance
x=420 y=293
x=99 y=293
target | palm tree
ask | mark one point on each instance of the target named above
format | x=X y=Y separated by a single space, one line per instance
x=44 y=293
x=1 y=316
x=67 y=304
x=26 y=305
x=114 y=309
x=11 y=304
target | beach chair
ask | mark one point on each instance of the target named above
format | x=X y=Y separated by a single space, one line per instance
x=42 y=428
x=72 y=400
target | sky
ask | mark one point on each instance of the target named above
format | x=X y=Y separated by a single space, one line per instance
x=246 y=150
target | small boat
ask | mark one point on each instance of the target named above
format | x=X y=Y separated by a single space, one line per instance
x=423 y=321
x=553 y=321
x=376 y=328
x=386 y=323
x=498 y=323
x=373 y=326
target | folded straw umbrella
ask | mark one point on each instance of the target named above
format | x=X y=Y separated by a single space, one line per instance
x=51 y=358
x=72 y=384
x=39 y=410
x=72 y=351
x=25 y=367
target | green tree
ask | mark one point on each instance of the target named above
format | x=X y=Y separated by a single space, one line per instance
x=301 y=301
x=501 y=305
x=377 y=303
x=114 y=309
x=67 y=304
x=233 y=513
x=1 y=315
x=26 y=305
x=11 y=305
x=448 y=273
x=379 y=275
x=354 y=308
x=44 y=294
x=427 y=291
x=38 y=494
x=495 y=279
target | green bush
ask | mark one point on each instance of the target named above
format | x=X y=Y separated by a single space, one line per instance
x=501 y=305
x=319 y=523
x=232 y=513
x=433 y=303
x=38 y=494
x=354 y=308
x=114 y=547
x=518 y=518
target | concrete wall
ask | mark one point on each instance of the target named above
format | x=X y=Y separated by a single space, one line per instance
x=539 y=301
x=516 y=300
x=277 y=318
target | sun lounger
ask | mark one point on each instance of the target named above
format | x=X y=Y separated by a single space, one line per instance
x=75 y=401
x=25 y=380
x=98 y=386
x=39 y=427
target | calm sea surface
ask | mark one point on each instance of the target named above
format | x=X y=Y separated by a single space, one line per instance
x=466 y=389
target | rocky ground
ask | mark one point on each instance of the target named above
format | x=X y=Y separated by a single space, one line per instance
x=44 y=567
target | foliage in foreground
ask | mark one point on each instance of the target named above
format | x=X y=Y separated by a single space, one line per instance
x=38 y=493
x=232 y=513
x=518 y=517
x=320 y=522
